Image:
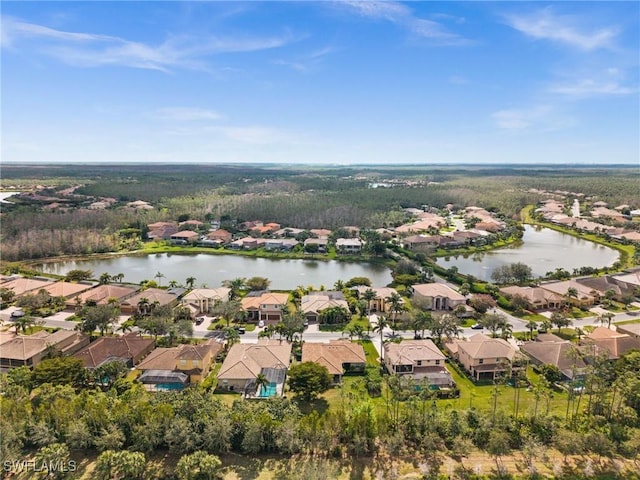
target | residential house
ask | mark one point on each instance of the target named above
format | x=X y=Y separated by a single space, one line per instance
x=288 y=232
x=438 y=296
x=21 y=285
x=101 y=295
x=379 y=304
x=421 y=242
x=312 y=304
x=320 y=232
x=605 y=283
x=203 y=299
x=485 y=357
x=129 y=349
x=631 y=329
x=322 y=243
x=146 y=299
x=348 y=245
x=339 y=356
x=420 y=226
x=184 y=237
x=245 y=361
x=67 y=289
x=586 y=296
x=285 y=244
x=221 y=237
x=265 y=306
x=630 y=279
x=176 y=367
x=161 y=230
x=538 y=298
x=419 y=359
x=196 y=224
x=247 y=243
x=613 y=344
x=549 y=349
x=30 y=350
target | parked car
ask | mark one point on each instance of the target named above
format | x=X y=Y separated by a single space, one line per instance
x=261 y=323
x=199 y=320
x=241 y=330
x=17 y=314
x=477 y=326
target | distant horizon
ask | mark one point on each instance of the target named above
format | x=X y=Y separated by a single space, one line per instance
x=310 y=83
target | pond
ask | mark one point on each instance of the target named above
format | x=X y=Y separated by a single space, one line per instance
x=211 y=270
x=542 y=249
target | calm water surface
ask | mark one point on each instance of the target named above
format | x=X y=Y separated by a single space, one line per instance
x=543 y=250
x=211 y=270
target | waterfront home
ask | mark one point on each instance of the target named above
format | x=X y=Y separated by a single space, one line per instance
x=203 y=299
x=537 y=298
x=21 y=285
x=264 y=306
x=379 y=303
x=348 y=245
x=312 y=304
x=437 y=296
x=184 y=237
x=143 y=301
x=101 y=295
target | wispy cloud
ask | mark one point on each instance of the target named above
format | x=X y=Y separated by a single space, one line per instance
x=404 y=17
x=308 y=62
x=185 y=114
x=94 y=50
x=608 y=82
x=569 y=30
x=537 y=118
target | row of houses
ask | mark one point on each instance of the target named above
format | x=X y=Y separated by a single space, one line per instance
x=579 y=292
x=571 y=359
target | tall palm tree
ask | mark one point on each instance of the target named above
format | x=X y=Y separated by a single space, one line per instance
x=190 y=282
x=261 y=381
x=232 y=336
x=382 y=324
x=368 y=296
x=118 y=277
x=173 y=284
x=159 y=276
x=395 y=306
x=236 y=285
x=422 y=321
x=531 y=325
x=144 y=306
x=105 y=278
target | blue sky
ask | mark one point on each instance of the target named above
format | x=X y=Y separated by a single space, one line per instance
x=321 y=82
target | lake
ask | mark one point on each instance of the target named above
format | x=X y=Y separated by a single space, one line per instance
x=211 y=270
x=543 y=250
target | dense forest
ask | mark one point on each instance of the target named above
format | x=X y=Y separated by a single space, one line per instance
x=302 y=197
x=57 y=405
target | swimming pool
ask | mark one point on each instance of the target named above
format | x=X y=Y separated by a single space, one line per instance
x=269 y=390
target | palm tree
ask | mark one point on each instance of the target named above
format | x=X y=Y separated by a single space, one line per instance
x=105 y=278
x=261 y=381
x=422 y=321
x=382 y=324
x=368 y=296
x=190 y=282
x=606 y=318
x=118 y=277
x=227 y=310
x=236 y=285
x=173 y=284
x=159 y=276
x=339 y=285
x=396 y=306
x=144 y=306
x=531 y=325
x=232 y=336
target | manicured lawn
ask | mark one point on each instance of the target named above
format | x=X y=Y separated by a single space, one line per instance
x=627 y=322
x=370 y=352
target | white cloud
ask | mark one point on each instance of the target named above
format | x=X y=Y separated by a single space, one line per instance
x=588 y=87
x=185 y=114
x=308 y=62
x=536 y=118
x=94 y=50
x=546 y=25
x=403 y=16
